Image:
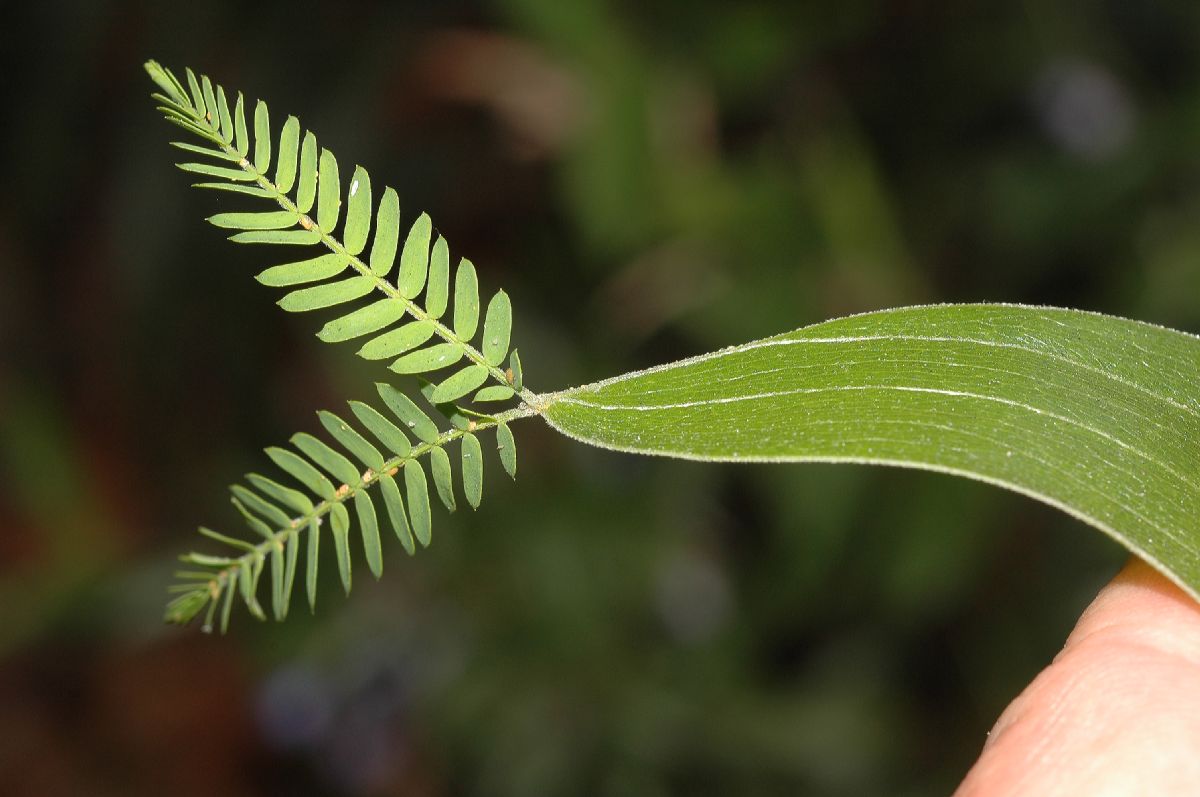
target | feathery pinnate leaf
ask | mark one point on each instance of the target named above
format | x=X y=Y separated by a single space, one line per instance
x=306 y=176
x=292 y=177
x=280 y=509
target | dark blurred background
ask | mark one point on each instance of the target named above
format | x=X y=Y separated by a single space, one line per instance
x=648 y=180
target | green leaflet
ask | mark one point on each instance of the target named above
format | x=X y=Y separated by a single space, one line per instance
x=472 y=469
x=387 y=233
x=289 y=150
x=197 y=94
x=280 y=513
x=393 y=439
x=494 y=393
x=210 y=152
x=459 y=384
x=334 y=463
x=306 y=186
x=237 y=188
x=278 y=607
x=295 y=499
x=248 y=573
x=440 y=355
x=302 y=471
x=395 y=509
x=270 y=220
x=443 y=479
x=227 y=603
x=466 y=300
x=311 y=270
x=496 y=327
x=507 y=447
x=369 y=526
x=398 y=340
x=188 y=124
x=363 y=321
x=241 y=138
x=327 y=295
x=262 y=138
x=410 y=415
x=167 y=82
x=514 y=367
x=285 y=237
x=358 y=212
x=339 y=525
x=418 y=500
x=260 y=506
x=223 y=172
x=352 y=441
x=256 y=525
x=236 y=543
x=311 y=562
x=329 y=200
x=437 y=292
x=225 y=115
x=414 y=259
x=452 y=412
x=289 y=576
x=210 y=101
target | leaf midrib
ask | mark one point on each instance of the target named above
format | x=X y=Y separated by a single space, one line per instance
x=550 y=398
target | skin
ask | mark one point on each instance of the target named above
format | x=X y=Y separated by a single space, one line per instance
x=1118 y=710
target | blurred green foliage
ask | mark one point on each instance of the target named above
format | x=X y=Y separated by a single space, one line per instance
x=647 y=181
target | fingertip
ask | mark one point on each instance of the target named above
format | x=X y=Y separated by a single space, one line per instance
x=1118 y=710
x=1140 y=606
